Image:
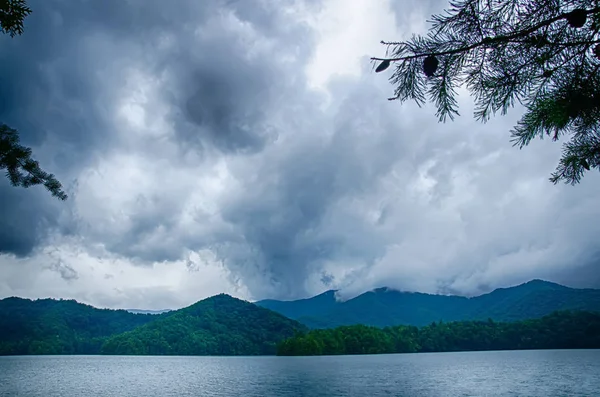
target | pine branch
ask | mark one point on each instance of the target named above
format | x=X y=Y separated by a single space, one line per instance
x=12 y=14
x=508 y=52
x=488 y=41
x=22 y=170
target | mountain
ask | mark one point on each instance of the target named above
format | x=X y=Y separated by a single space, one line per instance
x=558 y=330
x=223 y=325
x=220 y=325
x=317 y=305
x=386 y=307
x=49 y=326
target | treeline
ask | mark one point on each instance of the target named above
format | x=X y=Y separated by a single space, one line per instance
x=559 y=330
x=50 y=326
x=385 y=307
x=223 y=325
x=220 y=325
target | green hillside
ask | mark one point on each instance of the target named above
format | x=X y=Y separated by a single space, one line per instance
x=315 y=306
x=220 y=325
x=223 y=325
x=559 y=330
x=48 y=326
x=385 y=307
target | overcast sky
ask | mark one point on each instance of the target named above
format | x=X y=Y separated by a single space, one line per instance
x=247 y=147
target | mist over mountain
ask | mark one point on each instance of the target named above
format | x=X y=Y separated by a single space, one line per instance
x=191 y=174
x=224 y=325
x=385 y=307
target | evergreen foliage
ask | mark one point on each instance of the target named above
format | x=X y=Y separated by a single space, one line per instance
x=15 y=158
x=220 y=325
x=559 y=330
x=21 y=169
x=49 y=326
x=12 y=15
x=383 y=307
x=544 y=54
x=223 y=325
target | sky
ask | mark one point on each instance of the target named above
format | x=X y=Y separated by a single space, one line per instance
x=247 y=147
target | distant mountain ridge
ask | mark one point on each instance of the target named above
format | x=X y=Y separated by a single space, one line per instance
x=59 y=326
x=386 y=307
x=219 y=325
x=224 y=325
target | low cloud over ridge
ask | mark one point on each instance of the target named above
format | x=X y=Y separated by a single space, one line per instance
x=200 y=156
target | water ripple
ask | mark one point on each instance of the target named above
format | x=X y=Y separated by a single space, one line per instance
x=510 y=373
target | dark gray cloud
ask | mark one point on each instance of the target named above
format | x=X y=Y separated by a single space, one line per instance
x=61 y=80
x=66 y=271
x=285 y=213
x=21 y=227
x=193 y=128
x=54 y=92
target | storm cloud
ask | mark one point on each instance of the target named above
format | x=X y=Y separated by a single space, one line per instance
x=247 y=147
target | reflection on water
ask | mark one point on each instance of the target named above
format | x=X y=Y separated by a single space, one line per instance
x=510 y=373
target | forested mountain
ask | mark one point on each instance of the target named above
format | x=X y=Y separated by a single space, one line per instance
x=223 y=325
x=217 y=325
x=220 y=325
x=559 y=330
x=49 y=326
x=315 y=306
x=385 y=307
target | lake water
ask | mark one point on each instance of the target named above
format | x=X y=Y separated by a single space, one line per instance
x=510 y=373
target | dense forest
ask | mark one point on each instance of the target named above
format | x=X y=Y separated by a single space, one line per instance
x=559 y=330
x=223 y=325
x=220 y=325
x=385 y=307
x=49 y=326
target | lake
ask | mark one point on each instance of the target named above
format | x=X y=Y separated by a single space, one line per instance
x=508 y=373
